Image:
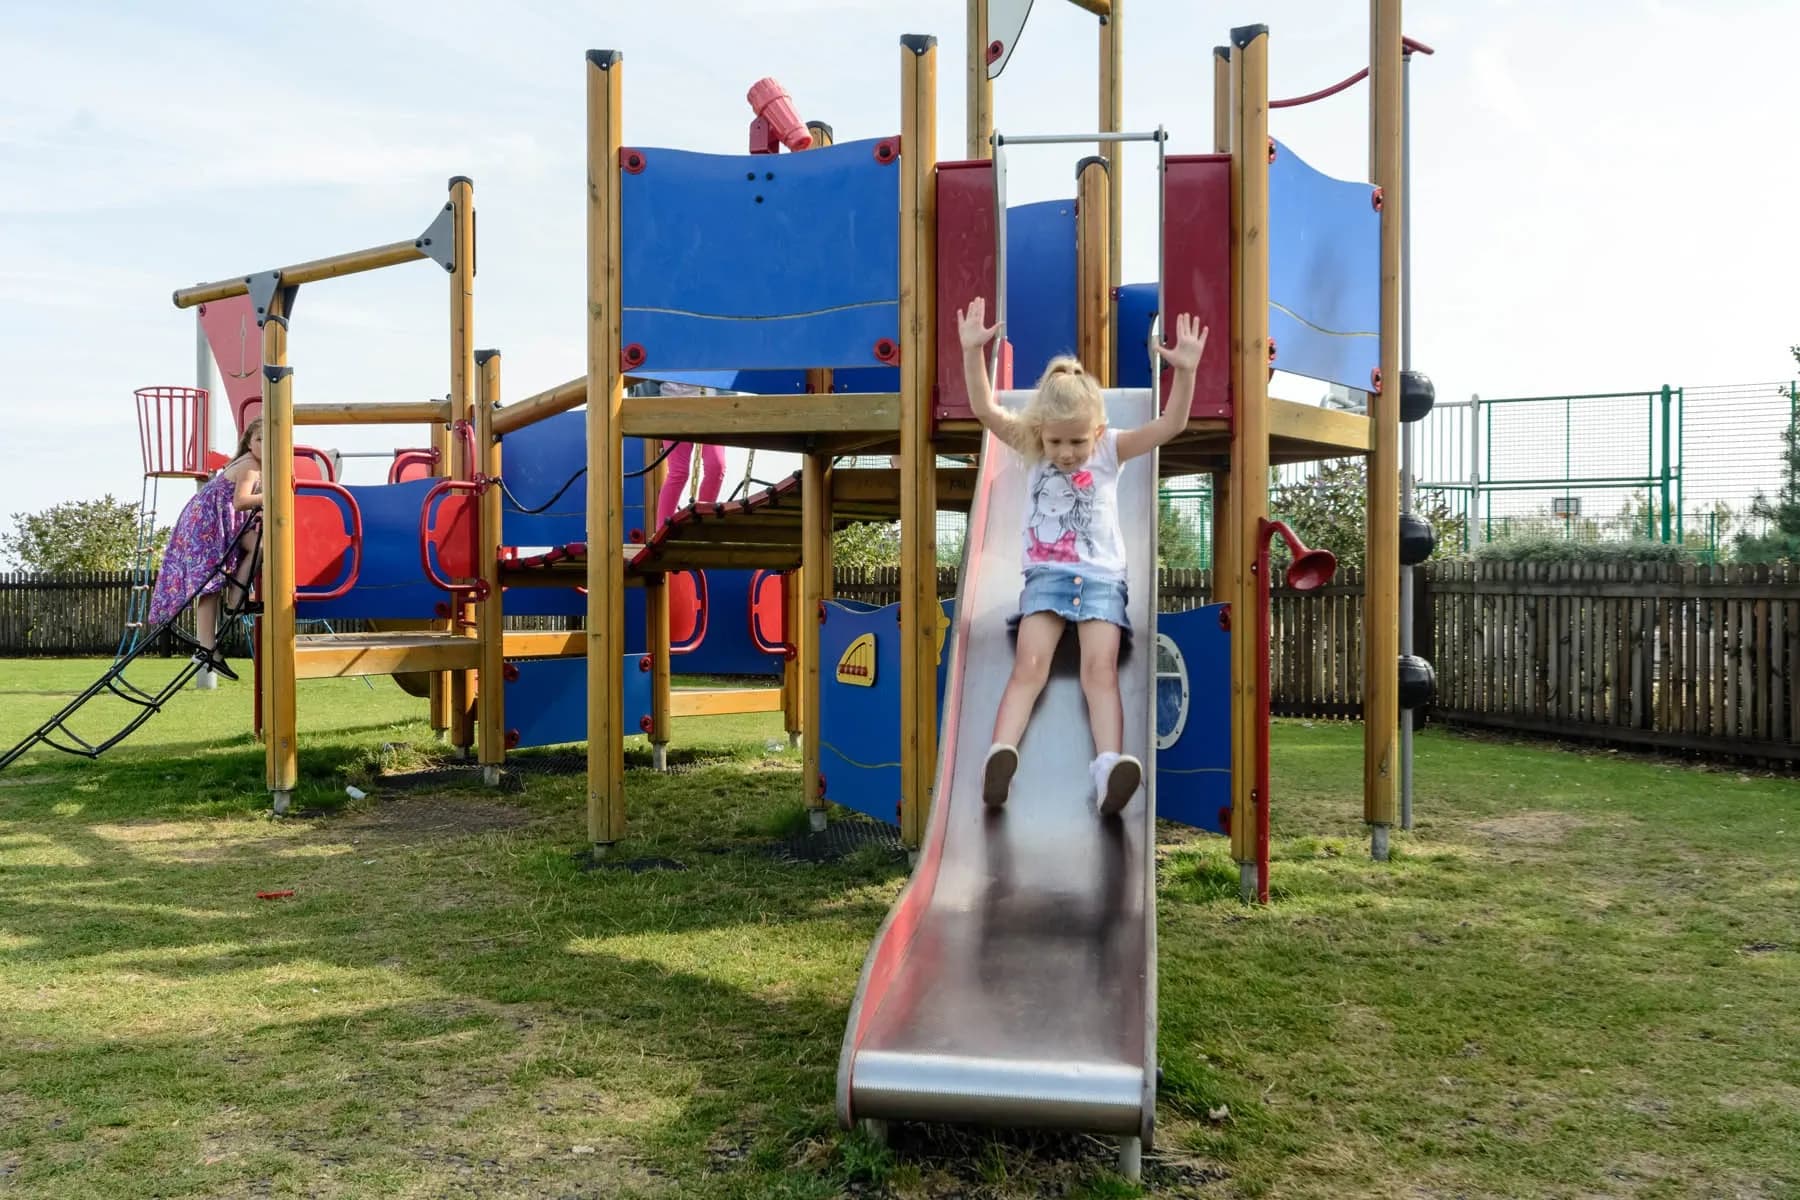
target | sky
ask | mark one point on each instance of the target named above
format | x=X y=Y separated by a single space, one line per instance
x=1602 y=193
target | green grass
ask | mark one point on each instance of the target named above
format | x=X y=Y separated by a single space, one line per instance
x=1576 y=978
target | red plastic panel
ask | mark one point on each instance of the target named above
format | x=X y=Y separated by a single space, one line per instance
x=409 y=465
x=311 y=463
x=454 y=532
x=1197 y=267
x=965 y=269
x=768 y=621
x=322 y=545
x=687 y=611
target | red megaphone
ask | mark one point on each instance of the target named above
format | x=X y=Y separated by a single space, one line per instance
x=777 y=121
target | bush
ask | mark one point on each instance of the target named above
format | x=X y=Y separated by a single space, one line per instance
x=1542 y=548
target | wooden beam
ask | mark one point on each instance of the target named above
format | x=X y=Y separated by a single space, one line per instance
x=979 y=104
x=1093 y=284
x=918 y=456
x=701 y=418
x=1112 y=120
x=544 y=643
x=350 y=263
x=723 y=702
x=815 y=549
x=1250 y=441
x=462 y=411
x=419 y=412
x=532 y=409
x=1381 y=608
x=874 y=485
x=280 y=717
x=1329 y=428
x=490 y=617
x=339 y=655
x=605 y=497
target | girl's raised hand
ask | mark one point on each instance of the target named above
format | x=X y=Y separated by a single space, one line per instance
x=1190 y=344
x=972 y=326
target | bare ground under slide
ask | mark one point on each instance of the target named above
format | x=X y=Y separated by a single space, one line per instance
x=1014 y=982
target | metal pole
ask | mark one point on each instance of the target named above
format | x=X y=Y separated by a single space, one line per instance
x=1406 y=429
x=1667 y=432
x=206 y=376
x=1056 y=139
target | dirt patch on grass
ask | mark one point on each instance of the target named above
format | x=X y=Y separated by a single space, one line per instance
x=419 y=818
x=1530 y=828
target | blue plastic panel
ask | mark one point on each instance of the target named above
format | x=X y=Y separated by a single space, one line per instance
x=547 y=703
x=1324 y=273
x=1040 y=286
x=859 y=727
x=1137 y=316
x=761 y=261
x=728 y=648
x=1193 y=775
x=391 y=581
x=536 y=461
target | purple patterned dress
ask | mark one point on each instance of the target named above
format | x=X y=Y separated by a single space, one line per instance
x=204 y=532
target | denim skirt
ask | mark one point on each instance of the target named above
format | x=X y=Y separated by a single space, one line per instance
x=1074 y=596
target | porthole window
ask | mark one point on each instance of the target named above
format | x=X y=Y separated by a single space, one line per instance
x=1171 y=692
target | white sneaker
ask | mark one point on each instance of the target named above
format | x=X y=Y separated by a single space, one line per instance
x=997 y=772
x=206 y=679
x=1116 y=779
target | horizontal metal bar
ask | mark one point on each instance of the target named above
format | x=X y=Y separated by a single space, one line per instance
x=1057 y=139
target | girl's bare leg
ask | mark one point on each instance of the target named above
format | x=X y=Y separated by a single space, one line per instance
x=1038 y=636
x=206 y=620
x=1100 y=683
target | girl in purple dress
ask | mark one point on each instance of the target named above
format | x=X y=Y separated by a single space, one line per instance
x=210 y=528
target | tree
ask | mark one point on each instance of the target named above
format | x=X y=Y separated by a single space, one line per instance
x=1180 y=539
x=1330 y=510
x=1781 y=543
x=78 y=535
x=866 y=545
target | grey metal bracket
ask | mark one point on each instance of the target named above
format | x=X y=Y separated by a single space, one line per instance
x=262 y=288
x=439 y=239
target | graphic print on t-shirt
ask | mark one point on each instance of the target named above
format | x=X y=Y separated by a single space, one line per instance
x=1062 y=511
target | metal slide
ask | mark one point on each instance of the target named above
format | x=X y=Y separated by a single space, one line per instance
x=1014 y=982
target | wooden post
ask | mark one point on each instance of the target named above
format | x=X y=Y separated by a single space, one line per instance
x=1112 y=120
x=279 y=711
x=1250 y=438
x=440 y=698
x=462 y=408
x=980 y=104
x=1223 y=530
x=490 y=623
x=656 y=614
x=605 y=495
x=802 y=590
x=918 y=474
x=1381 y=612
x=1093 y=289
x=814 y=576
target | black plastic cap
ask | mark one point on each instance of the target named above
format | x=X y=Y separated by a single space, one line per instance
x=1417 y=539
x=822 y=127
x=1243 y=35
x=1223 y=52
x=275 y=374
x=606 y=60
x=918 y=43
x=1417 y=395
x=1092 y=160
x=1418 y=682
x=456 y=179
x=482 y=356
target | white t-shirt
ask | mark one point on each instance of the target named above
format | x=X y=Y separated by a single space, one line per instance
x=1072 y=520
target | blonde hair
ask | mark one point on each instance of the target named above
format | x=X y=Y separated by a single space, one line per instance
x=250 y=431
x=1065 y=392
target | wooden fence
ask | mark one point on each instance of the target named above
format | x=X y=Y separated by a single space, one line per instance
x=1675 y=657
